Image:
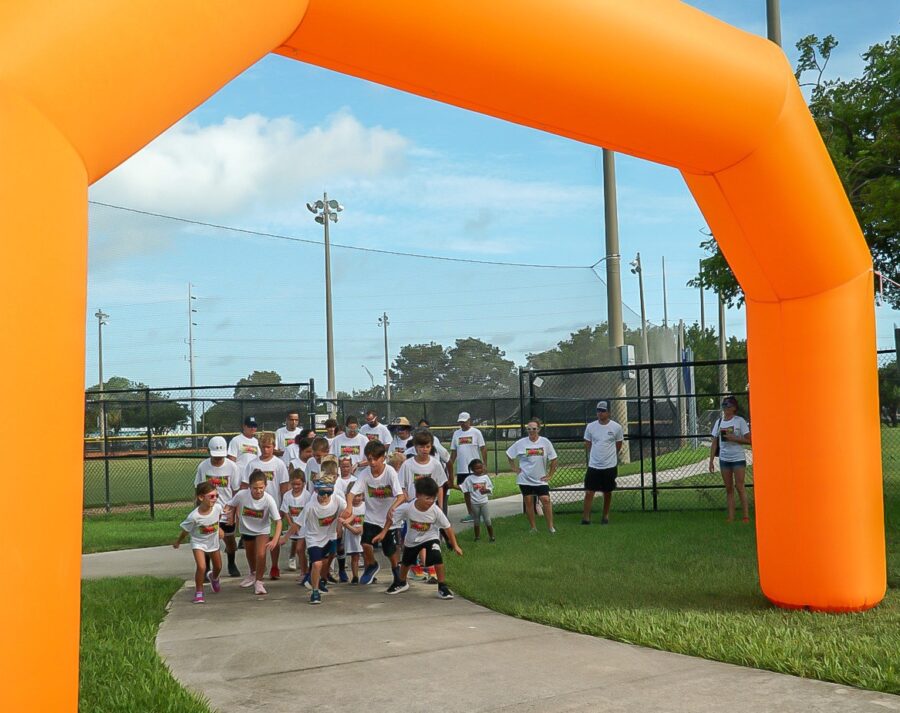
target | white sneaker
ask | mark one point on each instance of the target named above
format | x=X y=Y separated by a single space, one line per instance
x=249 y=580
x=292 y=564
x=552 y=530
x=259 y=588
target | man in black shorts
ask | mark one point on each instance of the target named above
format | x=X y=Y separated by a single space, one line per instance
x=602 y=440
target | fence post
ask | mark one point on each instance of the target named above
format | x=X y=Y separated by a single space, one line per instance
x=105 y=451
x=641 y=438
x=312 y=403
x=150 y=454
x=653 y=441
x=494 y=420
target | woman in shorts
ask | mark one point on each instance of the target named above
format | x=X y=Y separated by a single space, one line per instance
x=729 y=434
x=534 y=461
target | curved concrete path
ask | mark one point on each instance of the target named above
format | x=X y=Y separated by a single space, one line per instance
x=366 y=651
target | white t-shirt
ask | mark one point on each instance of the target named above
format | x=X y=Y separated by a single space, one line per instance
x=353 y=447
x=322 y=520
x=534 y=459
x=276 y=473
x=226 y=478
x=603 y=439
x=423 y=526
x=342 y=485
x=292 y=506
x=479 y=487
x=379 y=431
x=312 y=469
x=411 y=471
x=204 y=529
x=353 y=542
x=284 y=437
x=297 y=464
x=398 y=445
x=380 y=492
x=467 y=445
x=254 y=516
x=290 y=453
x=439 y=451
x=736 y=426
x=243 y=449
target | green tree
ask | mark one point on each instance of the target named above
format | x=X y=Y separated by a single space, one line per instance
x=476 y=369
x=889 y=392
x=126 y=407
x=589 y=346
x=261 y=394
x=418 y=371
x=859 y=120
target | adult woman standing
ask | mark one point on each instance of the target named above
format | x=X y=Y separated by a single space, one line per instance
x=534 y=460
x=729 y=433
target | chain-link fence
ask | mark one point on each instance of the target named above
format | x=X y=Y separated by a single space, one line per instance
x=146 y=455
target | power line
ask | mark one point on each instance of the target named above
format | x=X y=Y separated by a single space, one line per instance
x=276 y=236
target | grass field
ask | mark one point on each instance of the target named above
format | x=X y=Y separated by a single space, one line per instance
x=120 y=669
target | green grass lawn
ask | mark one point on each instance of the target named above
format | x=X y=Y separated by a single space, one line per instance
x=125 y=531
x=120 y=669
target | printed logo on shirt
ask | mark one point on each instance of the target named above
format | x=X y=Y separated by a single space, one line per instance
x=326 y=521
x=248 y=448
x=372 y=436
x=294 y=511
x=419 y=526
x=419 y=476
x=480 y=487
x=349 y=450
x=251 y=512
x=216 y=480
x=534 y=451
x=380 y=492
x=208 y=529
x=358 y=520
x=465 y=440
x=270 y=474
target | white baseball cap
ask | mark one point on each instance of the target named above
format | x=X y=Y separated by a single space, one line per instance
x=217 y=447
x=463 y=417
x=602 y=406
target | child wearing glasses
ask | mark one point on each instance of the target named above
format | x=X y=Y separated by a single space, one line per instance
x=202 y=526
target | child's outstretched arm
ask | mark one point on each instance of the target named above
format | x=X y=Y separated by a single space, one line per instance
x=181 y=538
x=229 y=514
x=388 y=521
x=276 y=538
x=451 y=536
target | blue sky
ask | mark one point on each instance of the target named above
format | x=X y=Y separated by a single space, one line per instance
x=415 y=177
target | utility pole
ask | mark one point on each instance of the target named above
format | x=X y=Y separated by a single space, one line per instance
x=190 y=341
x=101 y=320
x=619 y=409
x=384 y=322
x=637 y=270
x=326 y=210
x=665 y=296
x=702 y=308
x=723 y=370
x=773 y=20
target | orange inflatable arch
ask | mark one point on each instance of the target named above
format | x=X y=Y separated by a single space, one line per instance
x=84 y=85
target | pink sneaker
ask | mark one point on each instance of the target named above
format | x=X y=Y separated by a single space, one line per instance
x=198 y=598
x=259 y=588
x=249 y=580
x=216 y=585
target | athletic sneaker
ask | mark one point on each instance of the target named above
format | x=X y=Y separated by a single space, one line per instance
x=604 y=521
x=493 y=539
x=274 y=573
x=369 y=573
x=331 y=579
x=532 y=531
x=315 y=597
x=397 y=587
x=249 y=580
x=259 y=588
x=552 y=530
x=444 y=592
x=342 y=576
x=323 y=586
x=292 y=564
x=418 y=571
x=198 y=598
x=216 y=584
x=305 y=581
x=585 y=522
x=431 y=580
x=467 y=518
x=355 y=580
x=233 y=571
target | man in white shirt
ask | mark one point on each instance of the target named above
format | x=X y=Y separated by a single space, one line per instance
x=351 y=443
x=466 y=445
x=244 y=447
x=603 y=440
x=285 y=435
x=372 y=429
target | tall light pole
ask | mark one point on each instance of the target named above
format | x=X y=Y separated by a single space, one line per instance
x=773 y=20
x=723 y=353
x=190 y=341
x=702 y=307
x=326 y=210
x=384 y=322
x=101 y=320
x=665 y=296
x=636 y=269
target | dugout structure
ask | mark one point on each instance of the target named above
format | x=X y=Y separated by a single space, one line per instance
x=83 y=85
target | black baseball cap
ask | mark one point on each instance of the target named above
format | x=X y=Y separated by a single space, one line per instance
x=251 y=422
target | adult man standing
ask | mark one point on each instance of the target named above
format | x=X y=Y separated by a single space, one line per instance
x=466 y=445
x=372 y=429
x=244 y=447
x=285 y=435
x=603 y=440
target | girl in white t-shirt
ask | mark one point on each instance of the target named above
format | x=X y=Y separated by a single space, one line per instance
x=256 y=510
x=729 y=433
x=352 y=540
x=202 y=526
x=292 y=504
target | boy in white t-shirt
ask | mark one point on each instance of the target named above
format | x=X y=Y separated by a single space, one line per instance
x=350 y=443
x=320 y=450
x=277 y=483
x=304 y=454
x=729 y=434
x=352 y=541
x=255 y=510
x=426 y=521
x=292 y=504
x=285 y=435
x=477 y=490
x=321 y=519
x=225 y=475
x=202 y=526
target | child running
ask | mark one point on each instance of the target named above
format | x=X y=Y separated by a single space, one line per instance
x=226 y=476
x=320 y=517
x=202 y=526
x=353 y=528
x=425 y=524
x=477 y=488
x=256 y=511
x=292 y=504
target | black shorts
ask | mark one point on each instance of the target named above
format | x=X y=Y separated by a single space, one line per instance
x=432 y=554
x=601 y=479
x=249 y=538
x=388 y=544
x=317 y=554
x=535 y=490
x=461 y=478
x=227 y=529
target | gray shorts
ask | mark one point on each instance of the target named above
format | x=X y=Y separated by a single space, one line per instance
x=481 y=511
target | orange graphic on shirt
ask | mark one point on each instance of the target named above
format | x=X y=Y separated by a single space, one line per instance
x=216 y=480
x=208 y=529
x=294 y=511
x=248 y=448
x=380 y=492
x=349 y=450
x=465 y=440
x=326 y=521
x=419 y=526
x=251 y=512
x=534 y=451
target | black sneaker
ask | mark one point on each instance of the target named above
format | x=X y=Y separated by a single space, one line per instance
x=585 y=522
x=355 y=580
x=604 y=521
x=444 y=592
x=397 y=587
x=315 y=597
x=331 y=579
x=368 y=575
x=233 y=571
x=323 y=586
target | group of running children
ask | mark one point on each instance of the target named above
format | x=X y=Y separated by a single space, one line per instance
x=332 y=498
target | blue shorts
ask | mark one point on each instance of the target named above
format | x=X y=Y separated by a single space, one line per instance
x=731 y=464
x=317 y=554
